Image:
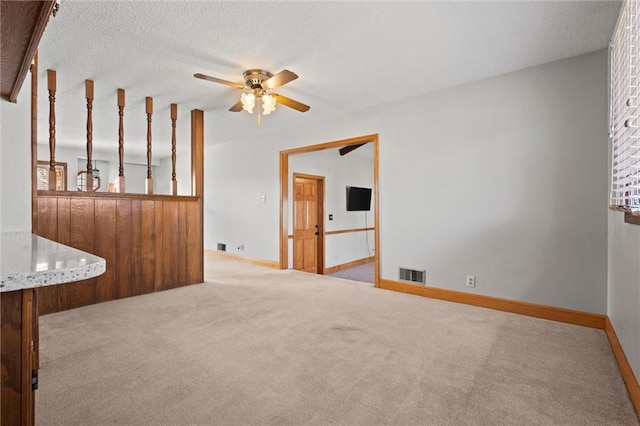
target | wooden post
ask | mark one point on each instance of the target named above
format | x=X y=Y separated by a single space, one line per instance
x=174 y=118
x=34 y=143
x=197 y=153
x=51 y=86
x=121 y=140
x=149 y=186
x=197 y=177
x=88 y=87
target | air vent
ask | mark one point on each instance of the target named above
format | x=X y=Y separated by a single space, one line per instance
x=413 y=275
x=222 y=247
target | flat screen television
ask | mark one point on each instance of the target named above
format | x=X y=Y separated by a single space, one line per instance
x=358 y=199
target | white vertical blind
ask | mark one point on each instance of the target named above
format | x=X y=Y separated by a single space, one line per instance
x=625 y=120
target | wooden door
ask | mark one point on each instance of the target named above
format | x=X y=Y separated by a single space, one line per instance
x=308 y=244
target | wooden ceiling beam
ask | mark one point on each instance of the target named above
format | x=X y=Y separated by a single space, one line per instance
x=22 y=26
x=347 y=149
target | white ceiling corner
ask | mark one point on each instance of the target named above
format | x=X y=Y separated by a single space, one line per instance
x=348 y=55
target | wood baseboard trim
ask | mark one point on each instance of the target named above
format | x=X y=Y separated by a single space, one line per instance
x=625 y=369
x=523 y=308
x=260 y=262
x=348 y=265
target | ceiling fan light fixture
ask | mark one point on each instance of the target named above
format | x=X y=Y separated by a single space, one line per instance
x=268 y=104
x=248 y=102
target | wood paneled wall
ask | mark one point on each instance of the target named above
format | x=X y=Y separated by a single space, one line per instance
x=150 y=243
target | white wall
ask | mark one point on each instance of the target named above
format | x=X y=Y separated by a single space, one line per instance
x=504 y=179
x=624 y=286
x=339 y=172
x=15 y=164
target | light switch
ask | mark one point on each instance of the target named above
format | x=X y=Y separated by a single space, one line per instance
x=263 y=198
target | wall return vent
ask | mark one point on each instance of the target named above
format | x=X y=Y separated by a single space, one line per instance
x=413 y=275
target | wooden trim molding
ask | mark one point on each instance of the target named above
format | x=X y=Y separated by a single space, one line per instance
x=346 y=231
x=341 y=231
x=260 y=262
x=334 y=144
x=625 y=369
x=631 y=218
x=284 y=194
x=569 y=316
x=117 y=195
x=343 y=266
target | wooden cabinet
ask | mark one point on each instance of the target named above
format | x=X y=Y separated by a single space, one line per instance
x=19 y=356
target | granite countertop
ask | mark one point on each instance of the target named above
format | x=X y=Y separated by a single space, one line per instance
x=29 y=261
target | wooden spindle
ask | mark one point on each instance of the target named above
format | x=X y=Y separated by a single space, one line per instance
x=51 y=86
x=88 y=88
x=174 y=118
x=121 y=140
x=149 y=187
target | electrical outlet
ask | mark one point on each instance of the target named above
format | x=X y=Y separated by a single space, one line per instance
x=471 y=281
x=241 y=247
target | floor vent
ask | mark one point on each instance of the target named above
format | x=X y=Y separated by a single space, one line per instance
x=222 y=247
x=413 y=275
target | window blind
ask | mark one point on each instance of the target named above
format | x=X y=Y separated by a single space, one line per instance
x=624 y=110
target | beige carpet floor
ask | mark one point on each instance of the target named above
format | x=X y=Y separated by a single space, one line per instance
x=259 y=346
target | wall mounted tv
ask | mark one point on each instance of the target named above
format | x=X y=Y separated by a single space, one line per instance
x=358 y=199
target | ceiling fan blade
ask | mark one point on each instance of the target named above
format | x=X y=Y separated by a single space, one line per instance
x=219 y=80
x=291 y=103
x=282 y=78
x=237 y=107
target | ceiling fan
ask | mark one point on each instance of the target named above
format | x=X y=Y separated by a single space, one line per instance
x=259 y=85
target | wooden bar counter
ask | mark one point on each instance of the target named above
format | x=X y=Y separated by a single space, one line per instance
x=27 y=262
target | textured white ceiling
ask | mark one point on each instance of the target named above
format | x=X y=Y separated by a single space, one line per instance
x=348 y=55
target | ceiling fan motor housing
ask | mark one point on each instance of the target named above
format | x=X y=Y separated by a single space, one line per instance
x=255 y=77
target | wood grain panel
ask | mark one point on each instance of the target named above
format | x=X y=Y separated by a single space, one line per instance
x=159 y=240
x=64 y=221
x=170 y=239
x=48 y=228
x=147 y=246
x=81 y=236
x=105 y=247
x=63 y=237
x=150 y=243
x=136 y=251
x=194 y=244
x=28 y=355
x=48 y=218
x=11 y=338
x=123 y=247
x=182 y=242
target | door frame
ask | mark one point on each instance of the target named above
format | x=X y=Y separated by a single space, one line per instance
x=320 y=213
x=284 y=194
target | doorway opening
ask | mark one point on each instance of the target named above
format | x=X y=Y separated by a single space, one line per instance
x=345 y=145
